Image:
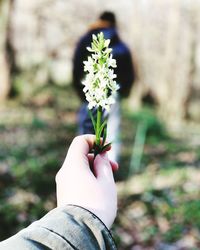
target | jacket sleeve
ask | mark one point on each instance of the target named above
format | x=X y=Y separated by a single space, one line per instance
x=125 y=70
x=80 y=55
x=69 y=227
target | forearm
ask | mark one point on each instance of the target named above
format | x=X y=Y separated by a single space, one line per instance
x=70 y=227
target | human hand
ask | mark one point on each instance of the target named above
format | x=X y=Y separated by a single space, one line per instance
x=93 y=189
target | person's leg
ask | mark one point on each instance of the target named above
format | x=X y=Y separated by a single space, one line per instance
x=80 y=119
x=113 y=132
x=84 y=122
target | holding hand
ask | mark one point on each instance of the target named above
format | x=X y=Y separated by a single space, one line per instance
x=77 y=185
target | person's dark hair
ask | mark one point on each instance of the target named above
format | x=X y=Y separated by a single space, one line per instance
x=108 y=16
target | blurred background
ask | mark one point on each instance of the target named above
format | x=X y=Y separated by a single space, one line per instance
x=159 y=177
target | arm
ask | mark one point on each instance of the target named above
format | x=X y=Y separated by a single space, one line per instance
x=83 y=225
x=125 y=72
x=68 y=227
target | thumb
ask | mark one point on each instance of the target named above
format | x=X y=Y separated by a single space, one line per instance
x=103 y=168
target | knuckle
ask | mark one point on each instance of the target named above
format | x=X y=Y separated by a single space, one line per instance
x=76 y=139
x=57 y=177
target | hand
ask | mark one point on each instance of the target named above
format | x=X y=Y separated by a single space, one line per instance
x=94 y=190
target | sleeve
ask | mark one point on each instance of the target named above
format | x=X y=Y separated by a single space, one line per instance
x=69 y=227
x=125 y=71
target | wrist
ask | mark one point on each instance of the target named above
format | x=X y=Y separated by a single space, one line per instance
x=96 y=215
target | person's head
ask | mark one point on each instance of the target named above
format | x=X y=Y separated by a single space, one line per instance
x=109 y=17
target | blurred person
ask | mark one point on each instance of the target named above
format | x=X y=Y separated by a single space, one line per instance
x=125 y=77
x=86 y=205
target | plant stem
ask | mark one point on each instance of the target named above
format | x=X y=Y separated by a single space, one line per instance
x=98 y=136
x=98 y=125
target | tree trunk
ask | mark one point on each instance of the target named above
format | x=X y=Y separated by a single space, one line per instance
x=4 y=64
x=165 y=37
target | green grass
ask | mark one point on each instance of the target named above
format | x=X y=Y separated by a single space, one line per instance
x=35 y=133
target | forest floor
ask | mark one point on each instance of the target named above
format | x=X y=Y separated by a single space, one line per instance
x=158 y=181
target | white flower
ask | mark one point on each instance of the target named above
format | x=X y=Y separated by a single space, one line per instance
x=100 y=88
x=112 y=62
x=88 y=65
x=111 y=74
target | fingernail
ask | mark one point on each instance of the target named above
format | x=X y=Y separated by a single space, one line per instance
x=104 y=155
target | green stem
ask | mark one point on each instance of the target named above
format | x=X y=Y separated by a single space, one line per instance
x=97 y=129
x=98 y=125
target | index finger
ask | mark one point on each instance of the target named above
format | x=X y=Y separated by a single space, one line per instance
x=79 y=149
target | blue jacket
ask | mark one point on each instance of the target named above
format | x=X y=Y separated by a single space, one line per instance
x=125 y=70
x=66 y=228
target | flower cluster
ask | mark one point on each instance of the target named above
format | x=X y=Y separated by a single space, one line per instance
x=100 y=88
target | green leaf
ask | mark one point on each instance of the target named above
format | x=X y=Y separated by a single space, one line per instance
x=101 y=128
x=105 y=147
x=104 y=135
x=93 y=120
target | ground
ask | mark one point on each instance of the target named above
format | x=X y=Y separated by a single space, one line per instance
x=158 y=181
